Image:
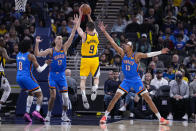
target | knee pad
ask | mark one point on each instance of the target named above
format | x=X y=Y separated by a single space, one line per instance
x=65 y=98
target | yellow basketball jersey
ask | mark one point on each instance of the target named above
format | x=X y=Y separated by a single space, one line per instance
x=89 y=47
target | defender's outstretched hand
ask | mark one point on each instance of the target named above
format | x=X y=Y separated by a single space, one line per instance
x=102 y=26
x=38 y=39
x=75 y=20
x=48 y=61
x=164 y=50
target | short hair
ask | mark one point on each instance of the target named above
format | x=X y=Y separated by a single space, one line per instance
x=25 y=45
x=91 y=26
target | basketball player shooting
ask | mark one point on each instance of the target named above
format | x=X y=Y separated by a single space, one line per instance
x=89 y=52
x=130 y=64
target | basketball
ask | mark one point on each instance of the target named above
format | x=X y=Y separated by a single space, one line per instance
x=86 y=9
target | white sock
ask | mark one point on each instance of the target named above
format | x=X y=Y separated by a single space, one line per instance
x=49 y=113
x=38 y=108
x=29 y=103
x=158 y=115
x=83 y=92
x=107 y=113
x=64 y=113
x=95 y=87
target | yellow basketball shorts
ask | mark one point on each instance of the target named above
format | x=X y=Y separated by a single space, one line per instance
x=89 y=65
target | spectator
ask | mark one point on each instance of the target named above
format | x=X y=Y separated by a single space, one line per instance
x=189 y=61
x=185 y=37
x=193 y=98
x=159 y=64
x=179 y=94
x=143 y=45
x=168 y=36
x=180 y=26
x=164 y=43
x=2 y=29
x=175 y=62
x=158 y=81
x=139 y=16
x=14 y=54
x=129 y=100
x=147 y=80
x=103 y=60
x=133 y=26
x=117 y=60
x=119 y=26
x=32 y=31
x=170 y=20
x=72 y=87
x=13 y=36
x=169 y=75
x=110 y=87
x=63 y=24
x=191 y=43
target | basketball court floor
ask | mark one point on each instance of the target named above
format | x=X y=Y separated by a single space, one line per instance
x=91 y=123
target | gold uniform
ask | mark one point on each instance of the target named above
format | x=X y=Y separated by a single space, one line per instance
x=90 y=60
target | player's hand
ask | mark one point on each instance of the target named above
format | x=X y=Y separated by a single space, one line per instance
x=38 y=39
x=75 y=20
x=102 y=26
x=164 y=50
x=48 y=61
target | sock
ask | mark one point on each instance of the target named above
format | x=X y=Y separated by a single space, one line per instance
x=29 y=103
x=107 y=113
x=64 y=113
x=38 y=108
x=158 y=115
x=95 y=87
x=83 y=92
x=49 y=113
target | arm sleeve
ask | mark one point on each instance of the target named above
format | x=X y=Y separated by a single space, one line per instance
x=41 y=68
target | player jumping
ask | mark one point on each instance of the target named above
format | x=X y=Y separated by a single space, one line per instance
x=90 y=58
x=130 y=64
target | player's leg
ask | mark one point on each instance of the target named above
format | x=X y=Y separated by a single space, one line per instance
x=123 y=88
x=63 y=88
x=52 y=88
x=95 y=71
x=139 y=88
x=84 y=72
x=38 y=94
x=6 y=87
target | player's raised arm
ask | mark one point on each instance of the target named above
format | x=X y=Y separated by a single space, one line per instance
x=114 y=45
x=70 y=39
x=79 y=29
x=8 y=59
x=91 y=20
x=41 y=53
x=36 y=65
x=140 y=55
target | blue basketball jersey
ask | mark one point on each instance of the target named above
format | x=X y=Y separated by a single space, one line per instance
x=130 y=68
x=24 y=66
x=58 y=63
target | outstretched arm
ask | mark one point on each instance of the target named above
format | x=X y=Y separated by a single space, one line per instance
x=70 y=39
x=41 y=53
x=8 y=59
x=39 y=68
x=91 y=20
x=140 y=55
x=114 y=45
x=79 y=29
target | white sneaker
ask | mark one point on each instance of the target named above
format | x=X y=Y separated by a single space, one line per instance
x=93 y=93
x=170 y=117
x=47 y=119
x=85 y=102
x=65 y=118
x=131 y=115
x=123 y=108
x=185 y=117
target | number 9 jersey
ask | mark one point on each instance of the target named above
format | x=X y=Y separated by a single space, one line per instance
x=90 y=59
